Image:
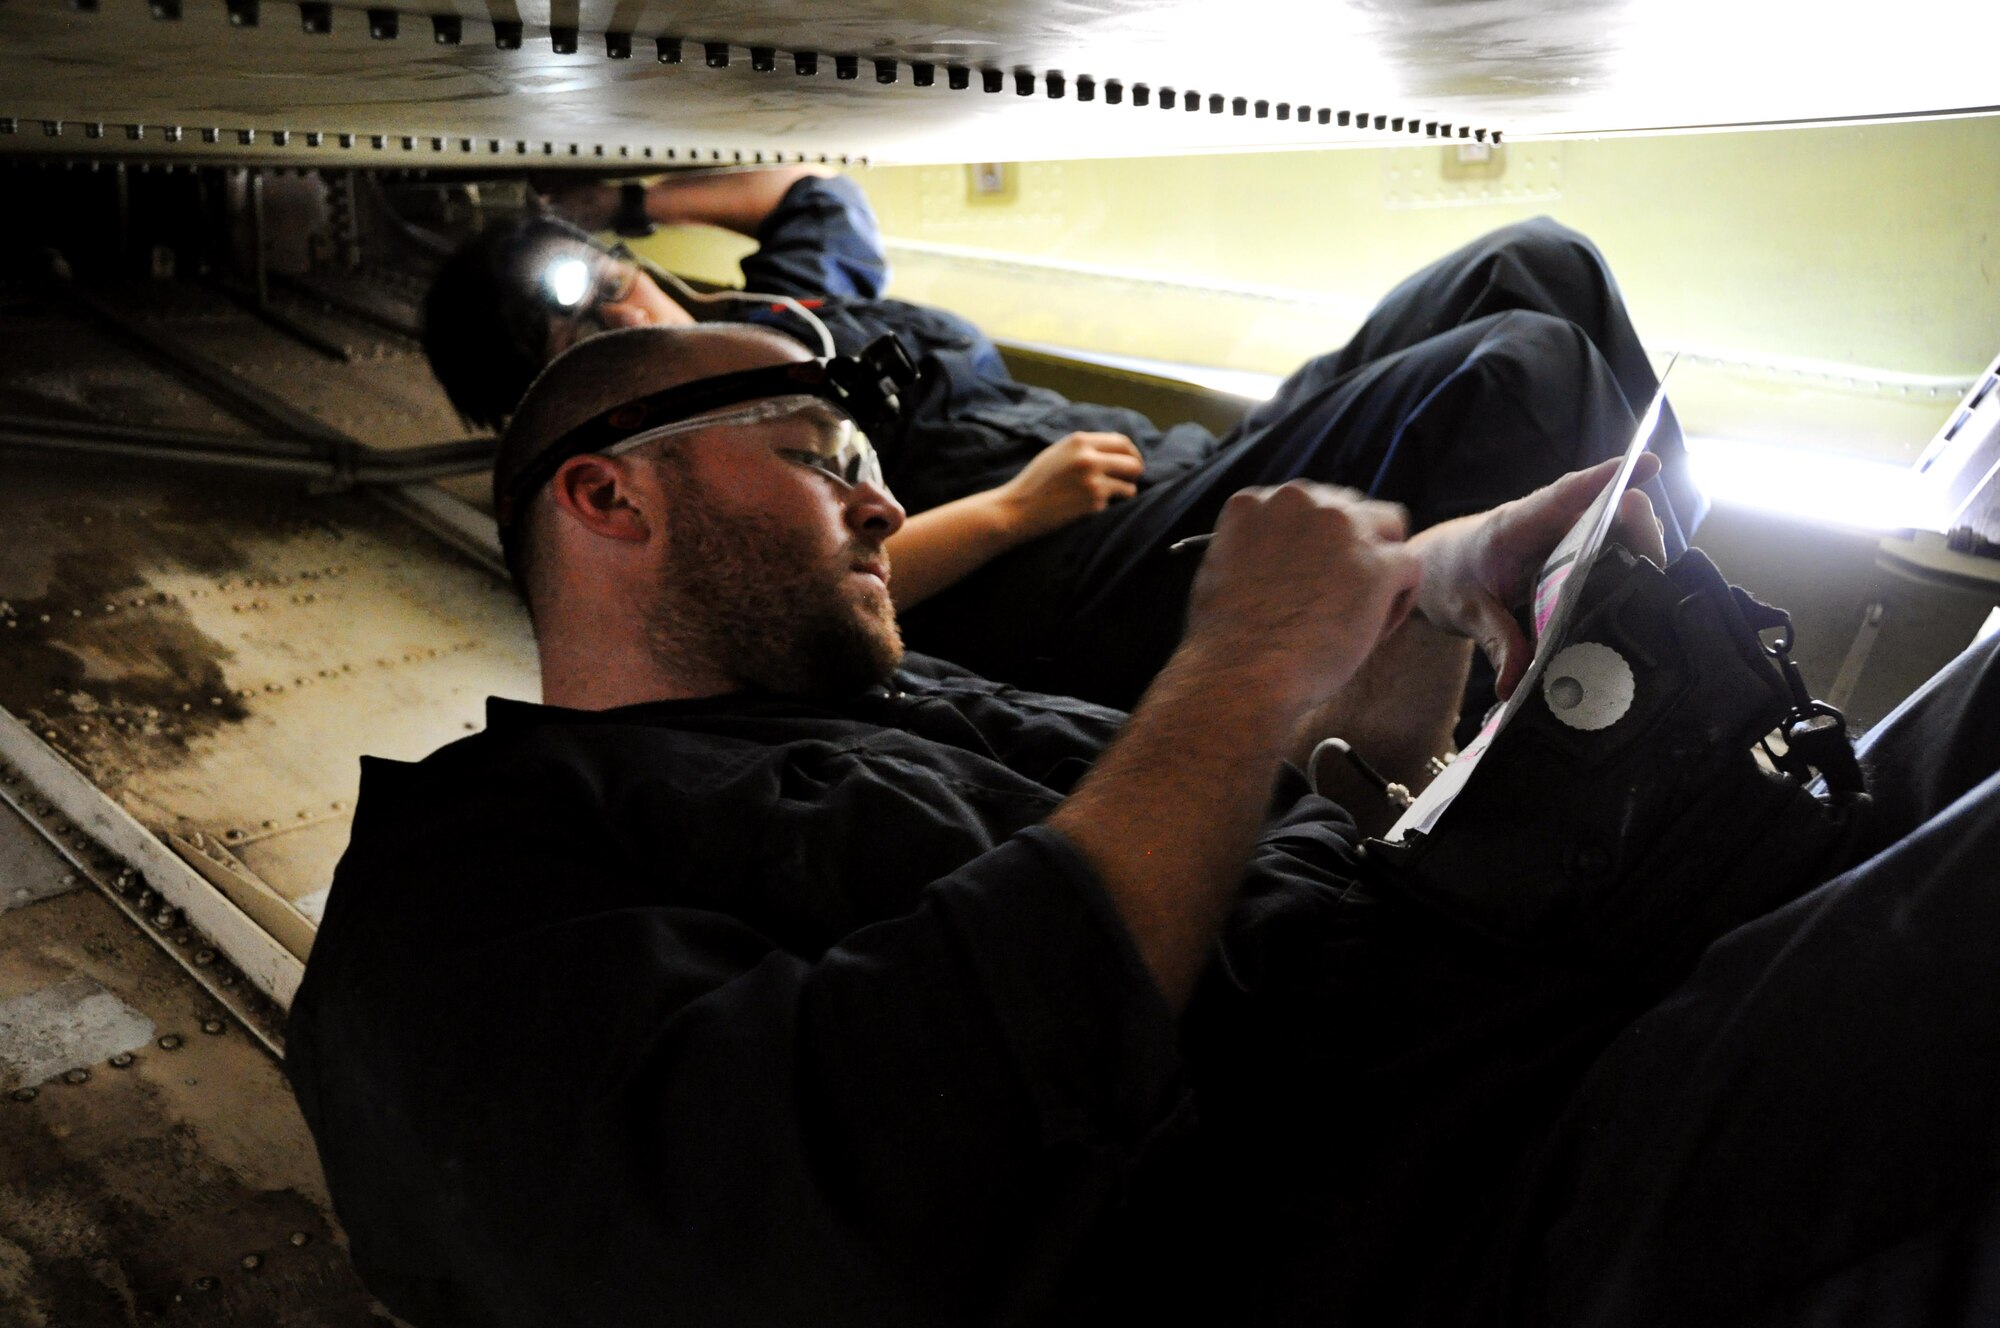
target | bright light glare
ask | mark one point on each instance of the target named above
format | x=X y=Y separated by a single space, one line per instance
x=1245 y=383
x=569 y=281
x=1815 y=486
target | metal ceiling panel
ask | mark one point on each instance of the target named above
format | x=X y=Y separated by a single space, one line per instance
x=591 y=82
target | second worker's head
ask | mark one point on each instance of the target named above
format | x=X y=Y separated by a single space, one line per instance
x=519 y=294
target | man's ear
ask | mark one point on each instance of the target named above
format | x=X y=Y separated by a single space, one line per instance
x=599 y=493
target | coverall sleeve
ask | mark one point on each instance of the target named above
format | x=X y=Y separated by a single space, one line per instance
x=657 y=1106
x=821 y=240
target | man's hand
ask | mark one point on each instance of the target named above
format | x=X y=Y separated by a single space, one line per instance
x=1296 y=589
x=1478 y=568
x=1081 y=474
x=589 y=204
x=1069 y=479
x=1299 y=585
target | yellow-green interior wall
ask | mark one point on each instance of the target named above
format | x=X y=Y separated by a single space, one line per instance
x=1865 y=246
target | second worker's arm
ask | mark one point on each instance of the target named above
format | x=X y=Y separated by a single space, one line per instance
x=734 y=200
x=826 y=244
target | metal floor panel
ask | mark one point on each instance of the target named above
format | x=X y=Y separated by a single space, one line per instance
x=216 y=656
x=153 y=1167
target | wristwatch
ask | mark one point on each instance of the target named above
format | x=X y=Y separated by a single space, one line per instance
x=631 y=220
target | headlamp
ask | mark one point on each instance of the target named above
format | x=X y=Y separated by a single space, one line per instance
x=577 y=280
x=567 y=282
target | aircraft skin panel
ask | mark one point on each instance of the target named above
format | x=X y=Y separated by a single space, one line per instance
x=58 y=369
x=215 y=658
x=117 y=68
x=1833 y=288
x=154 y=1166
x=577 y=84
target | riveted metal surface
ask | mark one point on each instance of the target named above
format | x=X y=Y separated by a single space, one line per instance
x=53 y=1030
x=26 y=874
x=216 y=657
x=369 y=85
x=115 y=855
x=65 y=363
x=149 y=1172
x=1468 y=174
x=60 y=365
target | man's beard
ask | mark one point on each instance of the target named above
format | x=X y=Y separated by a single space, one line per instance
x=752 y=598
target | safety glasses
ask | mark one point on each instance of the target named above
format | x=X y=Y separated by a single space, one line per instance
x=802 y=429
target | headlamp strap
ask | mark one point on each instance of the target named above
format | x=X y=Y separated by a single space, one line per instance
x=866 y=386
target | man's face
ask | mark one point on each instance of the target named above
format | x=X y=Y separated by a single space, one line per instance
x=589 y=291
x=771 y=570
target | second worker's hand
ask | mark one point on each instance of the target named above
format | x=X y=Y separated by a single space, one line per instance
x=589 y=204
x=1299 y=584
x=1071 y=478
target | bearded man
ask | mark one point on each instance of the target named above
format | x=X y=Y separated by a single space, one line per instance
x=765 y=975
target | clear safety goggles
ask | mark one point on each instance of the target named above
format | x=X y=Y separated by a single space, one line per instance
x=806 y=430
x=833 y=401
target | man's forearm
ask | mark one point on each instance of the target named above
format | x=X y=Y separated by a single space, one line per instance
x=1170 y=812
x=736 y=200
x=1398 y=711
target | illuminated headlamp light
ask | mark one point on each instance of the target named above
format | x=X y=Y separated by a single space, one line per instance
x=566 y=281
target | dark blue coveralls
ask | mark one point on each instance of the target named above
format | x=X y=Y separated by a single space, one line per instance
x=783 y=1009
x=1486 y=375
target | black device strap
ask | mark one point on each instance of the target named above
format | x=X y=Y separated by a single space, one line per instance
x=1816 y=739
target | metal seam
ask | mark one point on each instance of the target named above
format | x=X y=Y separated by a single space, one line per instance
x=384 y=23
x=205 y=975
